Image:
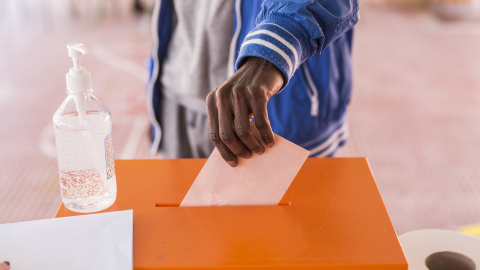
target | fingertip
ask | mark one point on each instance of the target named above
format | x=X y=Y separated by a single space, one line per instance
x=270 y=145
x=232 y=163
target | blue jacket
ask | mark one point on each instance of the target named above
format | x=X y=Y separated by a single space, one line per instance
x=309 y=41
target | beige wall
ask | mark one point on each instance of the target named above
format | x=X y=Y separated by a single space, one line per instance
x=401 y=3
x=413 y=3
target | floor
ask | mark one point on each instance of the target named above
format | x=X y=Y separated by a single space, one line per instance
x=33 y=63
x=415 y=115
x=415 y=111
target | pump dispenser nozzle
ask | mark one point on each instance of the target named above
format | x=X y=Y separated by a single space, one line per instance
x=78 y=79
x=75 y=51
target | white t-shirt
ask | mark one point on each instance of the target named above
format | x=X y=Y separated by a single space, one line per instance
x=197 y=56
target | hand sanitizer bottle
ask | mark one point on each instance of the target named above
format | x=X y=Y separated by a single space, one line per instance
x=83 y=134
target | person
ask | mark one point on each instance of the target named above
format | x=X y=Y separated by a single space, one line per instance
x=286 y=64
x=5 y=265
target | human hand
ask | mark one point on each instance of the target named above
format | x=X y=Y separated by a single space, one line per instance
x=5 y=265
x=234 y=103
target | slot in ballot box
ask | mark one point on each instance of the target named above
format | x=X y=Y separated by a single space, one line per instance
x=331 y=217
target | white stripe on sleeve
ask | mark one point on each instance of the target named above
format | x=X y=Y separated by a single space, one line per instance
x=272 y=47
x=279 y=38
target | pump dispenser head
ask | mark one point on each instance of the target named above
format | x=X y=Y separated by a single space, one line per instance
x=78 y=78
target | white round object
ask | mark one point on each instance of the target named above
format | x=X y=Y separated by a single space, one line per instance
x=420 y=244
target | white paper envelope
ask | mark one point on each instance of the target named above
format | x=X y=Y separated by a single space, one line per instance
x=260 y=180
x=97 y=241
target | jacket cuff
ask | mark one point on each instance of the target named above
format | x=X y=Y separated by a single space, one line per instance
x=278 y=39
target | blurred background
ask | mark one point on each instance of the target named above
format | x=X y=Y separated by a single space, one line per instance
x=414 y=114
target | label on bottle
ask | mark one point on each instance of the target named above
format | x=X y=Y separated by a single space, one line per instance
x=109 y=156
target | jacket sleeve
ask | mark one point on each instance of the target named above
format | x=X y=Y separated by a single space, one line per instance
x=289 y=32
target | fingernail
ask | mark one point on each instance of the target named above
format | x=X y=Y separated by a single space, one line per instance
x=270 y=145
x=232 y=163
x=6 y=262
x=259 y=153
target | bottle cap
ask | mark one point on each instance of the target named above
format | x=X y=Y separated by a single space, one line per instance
x=78 y=78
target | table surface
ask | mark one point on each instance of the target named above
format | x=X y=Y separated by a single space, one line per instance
x=331 y=217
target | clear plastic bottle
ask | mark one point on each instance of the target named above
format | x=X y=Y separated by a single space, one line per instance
x=83 y=134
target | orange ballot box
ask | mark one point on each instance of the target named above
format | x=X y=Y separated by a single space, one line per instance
x=332 y=217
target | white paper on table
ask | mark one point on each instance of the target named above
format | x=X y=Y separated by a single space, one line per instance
x=260 y=180
x=97 y=241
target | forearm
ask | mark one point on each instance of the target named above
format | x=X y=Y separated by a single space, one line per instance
x=290 y=32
